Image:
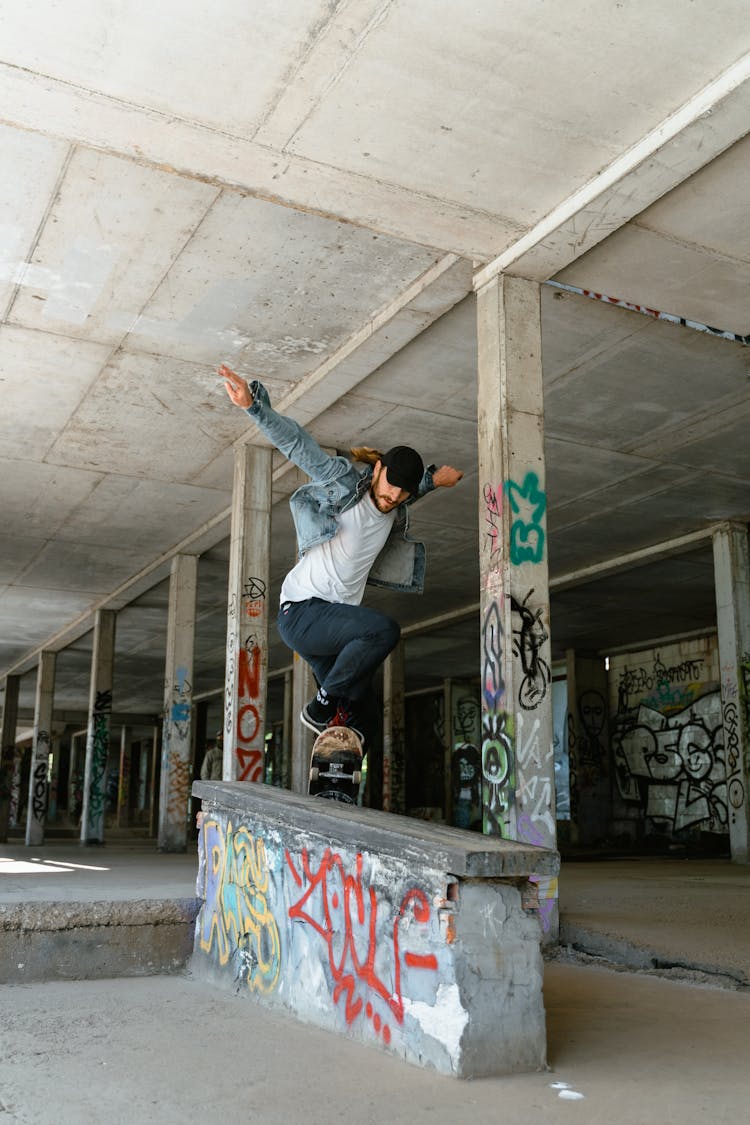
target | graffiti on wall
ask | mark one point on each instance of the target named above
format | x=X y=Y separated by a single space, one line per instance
x=178 y=788
x=528 y=503
x=362 y=936
x=243 y=682
x=677 y=765
x=660 y=687
x=180 y=705
x=248 y=741
x=493 y=517
x=535 y=820
x=236 y=921
x=527 y=646
x=99 y=754
x=39 y=772
x=466 y=786
x=498 y=780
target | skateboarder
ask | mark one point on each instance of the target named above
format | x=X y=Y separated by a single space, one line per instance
x=351 y=526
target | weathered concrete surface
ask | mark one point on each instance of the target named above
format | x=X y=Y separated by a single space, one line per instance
x=669 y=915
x=68 y=912
x=634 y=1050
x=465 y=854
x=87 y=941
x=366 y=924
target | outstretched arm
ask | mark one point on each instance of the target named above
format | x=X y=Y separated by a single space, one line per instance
x=286 y=434
x=446 y=476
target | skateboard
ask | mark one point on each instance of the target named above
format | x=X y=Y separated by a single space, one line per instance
x=336 y=765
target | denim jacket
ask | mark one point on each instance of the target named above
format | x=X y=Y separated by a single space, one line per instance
x=336 y=484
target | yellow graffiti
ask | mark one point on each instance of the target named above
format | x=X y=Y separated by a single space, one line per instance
x=236 y=920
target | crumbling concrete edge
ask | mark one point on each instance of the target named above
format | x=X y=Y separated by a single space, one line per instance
x=74 y=915
x=582 y=946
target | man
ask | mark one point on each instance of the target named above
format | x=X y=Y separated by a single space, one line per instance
x=351 y=528
x=211 y=769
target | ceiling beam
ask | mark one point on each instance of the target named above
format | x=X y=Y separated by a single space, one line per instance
x=387 y=331
x=692 y=136
x=161 y=140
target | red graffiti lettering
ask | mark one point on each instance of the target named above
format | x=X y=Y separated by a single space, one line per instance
x=344 y=912
x=251 y=764
x=249 y=684
x=250 y=758
x=248 y=721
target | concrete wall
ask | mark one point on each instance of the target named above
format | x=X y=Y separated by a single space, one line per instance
x=357 y=924
x=667 y=742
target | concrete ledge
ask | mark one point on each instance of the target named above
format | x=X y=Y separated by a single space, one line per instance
x=422 y=940
x=93 y=940
x=465 y=854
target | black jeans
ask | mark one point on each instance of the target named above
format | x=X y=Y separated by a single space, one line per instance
x=343 y=644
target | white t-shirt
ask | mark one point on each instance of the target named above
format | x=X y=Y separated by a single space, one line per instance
x=337 y=570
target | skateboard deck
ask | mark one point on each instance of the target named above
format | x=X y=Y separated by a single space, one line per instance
x=336 y=765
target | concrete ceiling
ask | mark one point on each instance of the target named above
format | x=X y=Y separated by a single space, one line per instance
x=311 y=199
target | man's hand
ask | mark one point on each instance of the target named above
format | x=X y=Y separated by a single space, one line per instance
x=236 y=386
x=446 y=476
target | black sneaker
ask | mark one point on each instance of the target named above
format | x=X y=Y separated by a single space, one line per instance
x=317 y=715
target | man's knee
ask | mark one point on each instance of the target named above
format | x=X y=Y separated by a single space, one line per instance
x=391 y=633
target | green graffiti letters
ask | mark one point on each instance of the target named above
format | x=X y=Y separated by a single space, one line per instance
x=528 y=504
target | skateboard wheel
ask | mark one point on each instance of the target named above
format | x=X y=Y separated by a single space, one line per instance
x=357 y=776
x=314 y=771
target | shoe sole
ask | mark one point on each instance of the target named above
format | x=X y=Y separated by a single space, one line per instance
x=310 y=724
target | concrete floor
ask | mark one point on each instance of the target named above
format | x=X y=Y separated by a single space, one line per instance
x=623 y=1047
x=680 y=913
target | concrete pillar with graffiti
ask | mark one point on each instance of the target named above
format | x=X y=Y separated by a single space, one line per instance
x=8 y=755
x=465 y=770
x=732 y=582
x=394 y=732
x=247 y=615
x=97 y=734
x=176 y=750
x=588 y=748
x=517 y=731
x=303 y=687
x=36 y=816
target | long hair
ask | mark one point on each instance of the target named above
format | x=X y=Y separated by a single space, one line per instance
x=366 y=455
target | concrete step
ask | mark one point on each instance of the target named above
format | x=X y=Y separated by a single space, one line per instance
x=46 y=941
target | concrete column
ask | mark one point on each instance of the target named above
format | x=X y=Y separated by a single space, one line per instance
x=36 y=815
x=303 y=688
x=54 y=777
x=76 y=776
x=286 y=742
x=143 y=759
x=588 y=748
x=447 y=750
x=394 y=732
x=465 y=765
x=153 y=818
x=97 y=734
x=123 y=788
x=8 y=757
x=176 y=752
x=247 y=616
x=517 y=728
x=732 y=580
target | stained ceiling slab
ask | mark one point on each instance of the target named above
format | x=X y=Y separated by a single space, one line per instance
x=311 y=199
